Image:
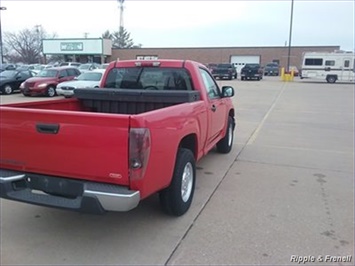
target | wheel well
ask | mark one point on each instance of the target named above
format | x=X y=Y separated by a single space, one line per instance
x=231 y=113
x=189 y=142
x=52 y=85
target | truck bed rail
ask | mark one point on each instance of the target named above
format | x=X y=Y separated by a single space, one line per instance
x=128 y=101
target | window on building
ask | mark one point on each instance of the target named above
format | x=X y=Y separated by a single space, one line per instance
x=314 y=61
x=330 y=62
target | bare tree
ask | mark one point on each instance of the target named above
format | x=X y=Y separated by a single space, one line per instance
x=26 y=45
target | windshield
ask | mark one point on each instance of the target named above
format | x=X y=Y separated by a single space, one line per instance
x=50 y=73
x=21 y=68
x=38 y=67
x=84 y=66
x=91 y=76
x=8 y=73
x=252 y=65
x=224 y=66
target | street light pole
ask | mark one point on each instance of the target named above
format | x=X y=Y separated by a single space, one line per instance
x=1 y=50
x=289 y=40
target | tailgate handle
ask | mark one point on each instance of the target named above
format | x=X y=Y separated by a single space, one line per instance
x=47 y=128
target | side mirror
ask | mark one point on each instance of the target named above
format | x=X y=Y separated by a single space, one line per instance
x=227 y=91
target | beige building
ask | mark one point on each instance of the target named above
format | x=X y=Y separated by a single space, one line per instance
x=236 y=55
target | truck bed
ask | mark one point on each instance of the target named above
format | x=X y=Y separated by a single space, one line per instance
x=69 y=130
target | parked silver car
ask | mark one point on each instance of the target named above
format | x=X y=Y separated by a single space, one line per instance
x=90 y=79
x=88 y=67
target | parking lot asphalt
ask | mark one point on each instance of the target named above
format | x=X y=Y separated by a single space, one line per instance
x=284 y=193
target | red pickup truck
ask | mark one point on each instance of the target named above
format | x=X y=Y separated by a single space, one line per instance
x=106 y=149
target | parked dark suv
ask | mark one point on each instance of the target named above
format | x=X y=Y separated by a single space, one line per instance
x=251 y=71
x=271 y=69
x=224 y=71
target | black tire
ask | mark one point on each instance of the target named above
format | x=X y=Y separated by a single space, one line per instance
x=331 y=79
x=242 y=78
x=172 y=198
x=51 y=91
x=225 y=144
x=7 y=89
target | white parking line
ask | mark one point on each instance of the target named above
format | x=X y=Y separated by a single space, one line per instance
x=257 y=130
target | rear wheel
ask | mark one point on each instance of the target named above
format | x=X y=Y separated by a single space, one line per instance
x=331 y=79
x=51 y=91
x=176 y=199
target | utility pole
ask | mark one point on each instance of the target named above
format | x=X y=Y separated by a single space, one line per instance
x=38 y=41
x=86 y=35
x=1 y=49
x=120 y=6
x=289 y=40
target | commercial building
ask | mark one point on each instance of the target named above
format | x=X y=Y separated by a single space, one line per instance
x=236 y=55
x=79 y=50
x=101 y=51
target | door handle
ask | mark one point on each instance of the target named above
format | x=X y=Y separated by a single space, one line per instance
x=47 y=128
x=213 y=108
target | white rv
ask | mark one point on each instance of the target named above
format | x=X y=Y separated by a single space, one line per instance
x=329 y=66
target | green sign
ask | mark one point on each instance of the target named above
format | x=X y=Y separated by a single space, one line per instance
x=71 y=46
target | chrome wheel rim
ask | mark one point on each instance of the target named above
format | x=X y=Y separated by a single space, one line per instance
x=51 y=91
x=8 y=89
x=187 y=182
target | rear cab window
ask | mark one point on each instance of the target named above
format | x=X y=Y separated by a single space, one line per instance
x=152 y=78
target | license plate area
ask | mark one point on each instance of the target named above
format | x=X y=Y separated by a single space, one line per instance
x=50 y=185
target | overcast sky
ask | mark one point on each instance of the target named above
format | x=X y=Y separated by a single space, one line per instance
x=191 y=23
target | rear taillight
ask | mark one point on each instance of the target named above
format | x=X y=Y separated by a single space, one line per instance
x=139 y=149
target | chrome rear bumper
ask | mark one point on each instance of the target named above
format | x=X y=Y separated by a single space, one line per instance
x=65 y=193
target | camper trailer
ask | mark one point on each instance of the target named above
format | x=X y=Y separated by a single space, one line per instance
x=329 y=66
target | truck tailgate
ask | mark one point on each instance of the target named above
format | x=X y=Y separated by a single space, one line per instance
x=80 y=145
